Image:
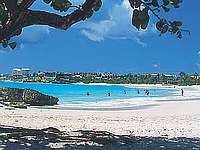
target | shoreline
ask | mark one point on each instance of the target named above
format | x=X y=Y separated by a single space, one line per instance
x=191 y=93
x=170 y=118
x=106 y=84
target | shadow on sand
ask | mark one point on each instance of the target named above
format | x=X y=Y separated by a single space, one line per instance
x=13 y=138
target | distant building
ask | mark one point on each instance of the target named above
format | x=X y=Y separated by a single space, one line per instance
x=16 y=72
x=154 y=74
x=169 y=75
x=25 y=71
x=21 y=72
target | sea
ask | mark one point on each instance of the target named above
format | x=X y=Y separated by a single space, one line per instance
x=79 y=94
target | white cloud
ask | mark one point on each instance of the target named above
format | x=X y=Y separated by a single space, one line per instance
x=35 y=34
x=77 y=2
x=198 y=64
x=97 y=31
x=117 y=26
x=21 y=46
x=198 y=53
x=8 y=49
x=30 y=35
x=5 y=50
x=156 y=65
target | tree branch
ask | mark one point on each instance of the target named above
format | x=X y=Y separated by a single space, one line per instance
x=25 y=4
x=57 y=21
x=29 y=17
x=11 y=5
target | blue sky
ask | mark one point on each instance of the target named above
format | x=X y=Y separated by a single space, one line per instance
x=108 y=43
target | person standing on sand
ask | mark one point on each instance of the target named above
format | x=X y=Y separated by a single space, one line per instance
x=182 y=92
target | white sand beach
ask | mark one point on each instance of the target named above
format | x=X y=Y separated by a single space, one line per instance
x=175 y=117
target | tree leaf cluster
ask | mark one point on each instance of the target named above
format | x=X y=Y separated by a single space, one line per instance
x=142 y=11
x=172 y=26
x=64 y=5
x=141 y=17
x=59 y=5
x=6 y=43
x=96 y=7
x=164 y=4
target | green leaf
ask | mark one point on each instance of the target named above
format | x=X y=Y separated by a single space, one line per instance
x=144 y=17
x=162 y=26
x=97 y=5
x=155 y=3
x=140 y=19
x=47 y=1
x=5 y=43
x=176 y=23
x=13 y=45
x=164 y=29
x=135 y=3
x=176 y=3
x=61 y=5
x=179 y=34
x=135 y=19
x=166 y=2
x=132 y=3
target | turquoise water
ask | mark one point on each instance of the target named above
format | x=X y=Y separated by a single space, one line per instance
x=73 y=93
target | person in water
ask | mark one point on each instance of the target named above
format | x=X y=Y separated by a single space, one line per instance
x=147 y=92
x=138 y=91
x=182 y=92
x=88 y=94
x=124 y=91
x=109 y=94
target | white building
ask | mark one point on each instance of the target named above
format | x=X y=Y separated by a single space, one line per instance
x=21 y=71
x=25 y=71
x=16 y=71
